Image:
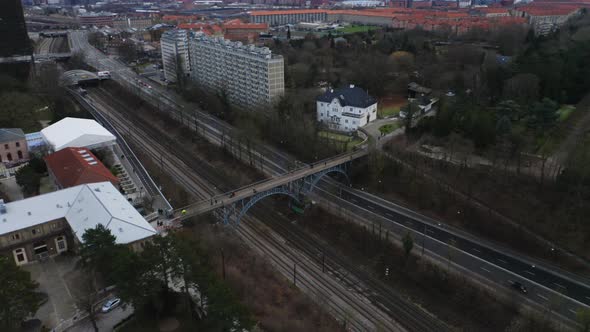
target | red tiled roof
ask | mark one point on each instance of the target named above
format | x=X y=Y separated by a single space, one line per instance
x=546 y=9
x=74 y=166
x=189 y=26
x=493 y=10
x=180 y=18
x=254 y=26
x=234 y=21
x=283 y=12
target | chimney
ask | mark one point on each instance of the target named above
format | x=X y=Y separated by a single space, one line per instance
x=352 y=86
x=2 y=207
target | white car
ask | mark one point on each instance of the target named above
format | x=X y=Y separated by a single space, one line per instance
x=110 y=304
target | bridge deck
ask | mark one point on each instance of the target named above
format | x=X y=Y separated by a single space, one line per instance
x=251 y=190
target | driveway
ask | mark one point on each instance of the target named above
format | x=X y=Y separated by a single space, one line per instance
x=58 y=278
x=373 y=129
x=106 y=321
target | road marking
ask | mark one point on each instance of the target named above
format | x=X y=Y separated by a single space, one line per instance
x=474 y=249
x=429 y=231
x=389 y=215
x=483 y=268
x=541 y=296
x=529 y=272
x=371 y=207
x=503 y=261
x=558 y=285
x=354 y=200
x=573 y=311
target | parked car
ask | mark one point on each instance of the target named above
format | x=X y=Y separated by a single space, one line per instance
x=110 y=304
x=519 y=287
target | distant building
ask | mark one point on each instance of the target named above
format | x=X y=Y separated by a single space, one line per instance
x=251 y=76
x=415 y=90
x=281 y=17
x=175 y=47
x=422 y=105
x=546 y=18
x=346 y=109
x=13 y=146
x=74 y=132
x=244 y=32
x=70 y=167
x=133 y=22
x=97 y=19
x=50 y=224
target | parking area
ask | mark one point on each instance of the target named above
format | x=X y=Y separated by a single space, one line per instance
x=62 y=282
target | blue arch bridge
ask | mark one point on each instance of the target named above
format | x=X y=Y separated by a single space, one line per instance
x=297 y=184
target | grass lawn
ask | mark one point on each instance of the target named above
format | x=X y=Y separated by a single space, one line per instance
x=335 y=136
x=388 y=128
x=565 y=111
x=548 y=145
x=357 y=28
x=350 y=141
x=388 y=111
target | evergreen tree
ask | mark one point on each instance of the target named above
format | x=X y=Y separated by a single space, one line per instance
x=18 y=298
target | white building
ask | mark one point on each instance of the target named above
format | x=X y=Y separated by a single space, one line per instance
x=175 y=47
x=346 y=109
x=251 y=76
x=49 y=224
x=80 y=133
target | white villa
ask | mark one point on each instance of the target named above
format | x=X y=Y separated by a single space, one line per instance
x=346 y=109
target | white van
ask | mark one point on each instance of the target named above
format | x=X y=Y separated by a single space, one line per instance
x=104 y=75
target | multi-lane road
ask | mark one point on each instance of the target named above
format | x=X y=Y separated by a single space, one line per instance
x=484 y=260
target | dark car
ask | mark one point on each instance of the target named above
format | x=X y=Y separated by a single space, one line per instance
x=519 y=287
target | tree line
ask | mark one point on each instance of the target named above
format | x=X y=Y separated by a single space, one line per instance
x=171 y=275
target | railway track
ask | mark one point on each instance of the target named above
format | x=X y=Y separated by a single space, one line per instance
x=357 y=316
x=156 y=149
x=356 y=281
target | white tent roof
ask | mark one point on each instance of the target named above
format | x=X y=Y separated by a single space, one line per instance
x=84 y=206
x=74 y=132
x=101 y=203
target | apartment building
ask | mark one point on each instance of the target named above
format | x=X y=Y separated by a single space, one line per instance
x=175 y=47
x=346 y=109
x=281 y=17
x=251 y=76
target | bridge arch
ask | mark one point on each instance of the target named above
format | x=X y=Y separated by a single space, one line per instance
x=304 y=186
x=318 y=176
x=245 y=206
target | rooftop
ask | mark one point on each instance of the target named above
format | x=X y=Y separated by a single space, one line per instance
x=74 y=132
x=250 y=50
x=11 y=134
x=74 y=166
x=348 y=96
x=288 y=12
x=83 y=207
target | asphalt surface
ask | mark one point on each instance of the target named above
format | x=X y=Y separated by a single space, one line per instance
x=547 y=286
x=544 y=287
